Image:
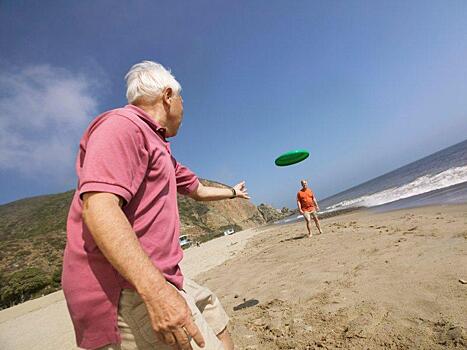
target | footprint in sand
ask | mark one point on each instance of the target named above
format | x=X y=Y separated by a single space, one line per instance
x=410 y=230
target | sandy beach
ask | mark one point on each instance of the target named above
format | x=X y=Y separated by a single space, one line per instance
x=371 y=281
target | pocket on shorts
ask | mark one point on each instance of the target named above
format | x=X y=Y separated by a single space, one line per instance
x=202 y=296
x=210 y=338
x=140 y=316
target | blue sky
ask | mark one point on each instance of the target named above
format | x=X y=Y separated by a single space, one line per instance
x=365 y=86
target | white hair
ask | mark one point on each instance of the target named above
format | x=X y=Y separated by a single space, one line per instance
x=148 y=79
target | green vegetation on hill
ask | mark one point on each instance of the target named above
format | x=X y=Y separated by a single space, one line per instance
x=33 y=216
x=32 y=239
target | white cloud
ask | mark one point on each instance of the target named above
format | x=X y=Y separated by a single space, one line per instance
x=43 y=113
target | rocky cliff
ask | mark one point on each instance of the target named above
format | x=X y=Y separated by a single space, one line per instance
x=271 y=214
x=201 y=218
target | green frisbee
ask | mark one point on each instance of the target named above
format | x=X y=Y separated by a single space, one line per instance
x=292 y=157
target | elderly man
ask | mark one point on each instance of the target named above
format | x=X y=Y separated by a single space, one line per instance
x=307 y=205
x=121 y=276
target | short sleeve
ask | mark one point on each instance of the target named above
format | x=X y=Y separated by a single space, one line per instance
x=187 y=181
x=115 y=159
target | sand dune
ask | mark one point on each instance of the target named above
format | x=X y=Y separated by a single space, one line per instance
x=372 y=281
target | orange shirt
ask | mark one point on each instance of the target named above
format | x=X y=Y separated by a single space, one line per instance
x=305 y=197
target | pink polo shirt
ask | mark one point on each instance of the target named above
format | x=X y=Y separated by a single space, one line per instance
x=124 y=152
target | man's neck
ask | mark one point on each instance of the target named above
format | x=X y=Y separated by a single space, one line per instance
x=156 y=112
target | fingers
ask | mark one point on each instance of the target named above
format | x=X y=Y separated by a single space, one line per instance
x=240 y=185
x=243 y=191
x=183 y=340
x=194 y=332
x=184 y=334
x=244 y=194
x=180 y=337
x=168 y=338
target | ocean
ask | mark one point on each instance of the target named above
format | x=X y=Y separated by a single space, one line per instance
x=440 y=178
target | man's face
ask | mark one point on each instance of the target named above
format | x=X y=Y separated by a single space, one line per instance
x=175 y=116
x=304 y=184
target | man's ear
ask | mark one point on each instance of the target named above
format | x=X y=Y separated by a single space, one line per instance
x=167 y=95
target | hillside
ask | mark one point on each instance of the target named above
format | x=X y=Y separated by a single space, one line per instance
x=32 y=237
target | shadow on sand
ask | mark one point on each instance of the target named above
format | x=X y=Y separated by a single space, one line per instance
x=294 y=238
x=245 y=304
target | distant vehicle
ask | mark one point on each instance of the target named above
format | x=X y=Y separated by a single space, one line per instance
x=229 y=231
x=185 y=242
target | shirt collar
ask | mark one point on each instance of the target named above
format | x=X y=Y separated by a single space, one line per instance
x=150 y=120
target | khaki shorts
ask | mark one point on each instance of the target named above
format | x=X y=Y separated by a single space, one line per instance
x=308 y=214
x=135 y=327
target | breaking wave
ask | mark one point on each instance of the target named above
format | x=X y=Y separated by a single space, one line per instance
x=422 y=184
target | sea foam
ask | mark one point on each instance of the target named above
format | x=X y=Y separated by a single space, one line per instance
x=422 y=184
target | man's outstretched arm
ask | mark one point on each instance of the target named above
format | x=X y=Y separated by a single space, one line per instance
x=208 y=193
x=170 y=315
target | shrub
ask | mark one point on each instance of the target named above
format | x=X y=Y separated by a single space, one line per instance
x=57 y=277
x=22 y=285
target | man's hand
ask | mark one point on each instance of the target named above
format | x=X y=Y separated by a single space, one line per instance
x=241 y=190
x=171 y=319
x=299 y=207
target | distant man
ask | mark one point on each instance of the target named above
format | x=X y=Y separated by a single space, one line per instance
x=121 y=275
x=307 y=205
